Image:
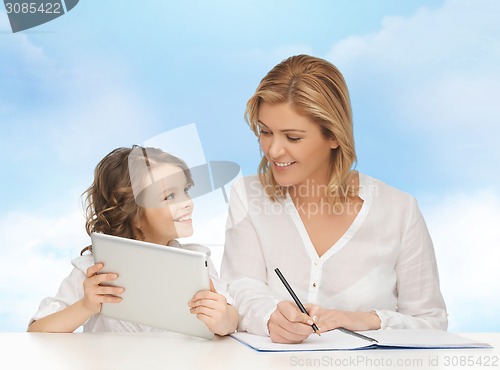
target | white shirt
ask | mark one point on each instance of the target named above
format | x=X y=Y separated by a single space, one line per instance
x=384 y=262
x=71 y=291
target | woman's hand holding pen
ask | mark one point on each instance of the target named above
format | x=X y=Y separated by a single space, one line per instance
x=212 y=308
x=96 y=294
x=288 y=324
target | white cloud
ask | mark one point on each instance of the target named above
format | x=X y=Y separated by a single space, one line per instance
x=458 y=35
x=19 y=43
x=61 y=116
x=67 y=107
x=97 y=112
x=99 y=123
x=466 y=232
x=437 y=75
x=36 y=253
x=25 y=68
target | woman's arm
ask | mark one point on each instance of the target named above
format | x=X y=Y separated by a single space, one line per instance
x=420 y=302
x=328 y=319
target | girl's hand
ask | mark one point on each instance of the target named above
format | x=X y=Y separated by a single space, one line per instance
x=332 y=319
x=212 y=308
x=75 y=315
x=288 y=324
x=96 y=294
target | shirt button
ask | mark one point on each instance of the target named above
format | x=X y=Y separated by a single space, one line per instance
x=314 y=285
x=316 y=263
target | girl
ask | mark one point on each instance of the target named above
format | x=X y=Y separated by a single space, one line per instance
x=138 y=193
x=357 y=250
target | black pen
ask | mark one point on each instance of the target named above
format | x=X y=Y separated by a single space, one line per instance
x=295 y=298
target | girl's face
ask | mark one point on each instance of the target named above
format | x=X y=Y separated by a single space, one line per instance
x=168 y=207
x=297 y=151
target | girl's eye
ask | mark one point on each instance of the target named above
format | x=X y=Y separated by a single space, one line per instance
x=170 y=196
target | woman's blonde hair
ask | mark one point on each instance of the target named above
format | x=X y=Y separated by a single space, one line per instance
x=109 y=203
x=315 y=89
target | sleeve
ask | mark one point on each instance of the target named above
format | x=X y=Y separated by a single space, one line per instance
x=244 y=268
x=219 y=284
x=420 y=303
x=70 y=291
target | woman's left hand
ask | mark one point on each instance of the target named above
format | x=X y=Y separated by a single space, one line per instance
x=331 y=319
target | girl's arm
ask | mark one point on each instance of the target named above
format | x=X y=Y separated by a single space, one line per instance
x=72 y=317
x=65 y=321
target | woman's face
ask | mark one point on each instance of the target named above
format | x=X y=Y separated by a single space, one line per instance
x=168 y=207
x=296 y=149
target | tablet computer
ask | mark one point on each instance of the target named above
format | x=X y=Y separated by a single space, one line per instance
x=159 y=282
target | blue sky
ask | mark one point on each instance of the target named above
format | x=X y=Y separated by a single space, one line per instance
x=424 y=78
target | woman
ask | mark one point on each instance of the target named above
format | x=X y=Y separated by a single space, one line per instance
x=353 y=248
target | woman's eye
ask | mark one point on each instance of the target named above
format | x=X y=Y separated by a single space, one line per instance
x=294 y=139
x=264 y=132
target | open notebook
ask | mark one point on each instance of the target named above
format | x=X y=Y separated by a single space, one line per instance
x=338 y=340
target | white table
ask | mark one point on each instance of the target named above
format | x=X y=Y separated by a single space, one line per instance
x=140 y=351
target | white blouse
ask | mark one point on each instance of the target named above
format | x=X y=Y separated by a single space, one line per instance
x=71 y=291
x=384 y=262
